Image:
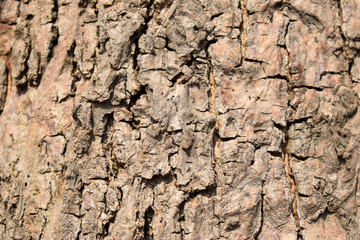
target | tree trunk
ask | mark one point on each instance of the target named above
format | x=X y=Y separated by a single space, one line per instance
x=179 y=119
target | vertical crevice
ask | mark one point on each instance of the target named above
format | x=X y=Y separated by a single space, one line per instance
x=244 y=17
x=9 y=78
x=20 y=83
x=182 y=218
x=293 y=188
x=35 y=82
x=286 y=145
x=148 y=230
x=134 y=39
x=340 y=28
x=4 y=87
x=344 y=41
x=55 y=31
x=288 y=68
x=216 y=137
x=257 y=234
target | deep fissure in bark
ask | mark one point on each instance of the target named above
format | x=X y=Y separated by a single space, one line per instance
x=286 y=151
x=243 y=25
x=134 y=39
x=148 y=231
x=294 y=192
x=216 y=137
x=257 y=234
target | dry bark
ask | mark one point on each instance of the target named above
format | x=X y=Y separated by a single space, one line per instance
x=179 y=119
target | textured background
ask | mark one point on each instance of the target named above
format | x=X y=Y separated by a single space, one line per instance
x=179 y=119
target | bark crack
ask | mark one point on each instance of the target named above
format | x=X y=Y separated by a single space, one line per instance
x=244 y=16
x=55 y=30
x=293 y=187
x=208 y=192
x=216 y=137
x=148 y=229
x=182 y=218
x=286 y=145
x=139 y=32
x=4 y=86
x=349 y=60
x=257 y=234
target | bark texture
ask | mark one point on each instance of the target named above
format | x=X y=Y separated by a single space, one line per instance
x=179 y=119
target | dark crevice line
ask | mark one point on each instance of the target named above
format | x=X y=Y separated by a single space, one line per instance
x=134 y=98
x=216 y=15
x=5 y=85
x=182 y=218
x=278 y=76
x=203 y=45
x=55 y=31
x=293 y=188
x=167 y=42
x=74 y=66
x=254 y=61
x=257 y=234
x=216 y=136
x=148 y=230
x=286 y=143
x=244 y=16
x=344 y=41
x=298 y=120
x=209 y=192
x=52 y=44
x=319 y=89
x=134 y=39
x=22 y=87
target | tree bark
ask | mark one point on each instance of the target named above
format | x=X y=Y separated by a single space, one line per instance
x=179 y=119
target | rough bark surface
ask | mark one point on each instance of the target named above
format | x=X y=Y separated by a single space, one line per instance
x=179 y=119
